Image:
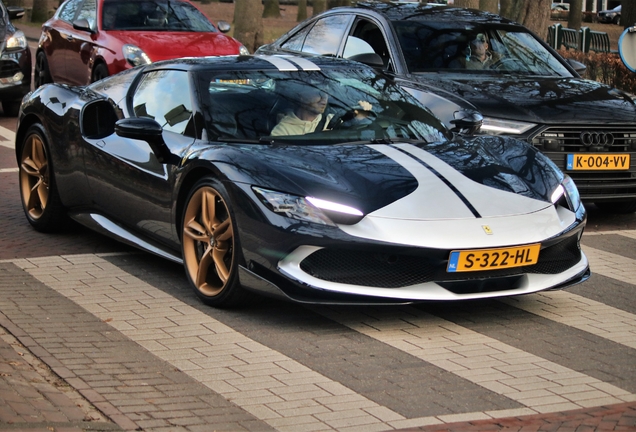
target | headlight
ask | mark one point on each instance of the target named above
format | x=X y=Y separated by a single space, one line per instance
x=17 y=40
x=243 y=50
x=493 y=126
x=309 y=209
x=567 y=195
x=135 y=55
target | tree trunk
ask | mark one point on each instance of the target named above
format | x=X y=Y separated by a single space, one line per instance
x=628 y=13
x=40 y=11
x=319 y=6
x=473 y=4
x=248 y=21
x=533 y=14
x=302 y=11
x=489 y=6
x=271 y=9
x=575 y=16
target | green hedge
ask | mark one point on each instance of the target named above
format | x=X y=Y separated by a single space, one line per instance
x=607 y=68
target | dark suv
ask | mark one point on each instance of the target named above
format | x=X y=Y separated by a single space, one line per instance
x=15 y=61
x=522 y=87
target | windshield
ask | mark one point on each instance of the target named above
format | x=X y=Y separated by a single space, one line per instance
x=482 y=50
x=313 y=107
x=154 y=15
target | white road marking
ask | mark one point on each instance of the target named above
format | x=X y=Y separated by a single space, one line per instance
x=9 y=135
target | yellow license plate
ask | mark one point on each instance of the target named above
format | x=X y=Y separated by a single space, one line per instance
x=493 y=259
x=598 y=161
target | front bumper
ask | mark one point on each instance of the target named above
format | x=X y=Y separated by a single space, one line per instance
x=309 y=263
x=15 y=74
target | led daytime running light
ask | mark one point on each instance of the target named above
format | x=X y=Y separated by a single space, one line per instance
x=335 y=207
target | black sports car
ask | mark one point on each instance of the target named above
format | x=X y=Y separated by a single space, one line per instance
x=521 y=86
x=220 y=163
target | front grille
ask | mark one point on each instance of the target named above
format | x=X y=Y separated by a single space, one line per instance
x=385 y=270
x=8 y=68
x=558 y=142
x=572 y=139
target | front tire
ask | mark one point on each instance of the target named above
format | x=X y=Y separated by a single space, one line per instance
x=99 y=72
x=40 y=198
x=211 y=251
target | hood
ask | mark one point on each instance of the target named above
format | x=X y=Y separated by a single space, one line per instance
x=481 y=177
x=169 y=45
x=541 y=100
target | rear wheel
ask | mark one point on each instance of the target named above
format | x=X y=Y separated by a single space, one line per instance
x=40 y=199
x=41 y=73
x=99 y=72
x=619 y=207
x=211 y=251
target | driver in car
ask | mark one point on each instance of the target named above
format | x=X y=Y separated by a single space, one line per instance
x=306 y=116
x=309 y=114
x=480 y=56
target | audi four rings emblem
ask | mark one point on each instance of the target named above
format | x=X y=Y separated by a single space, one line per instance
x=595 y=138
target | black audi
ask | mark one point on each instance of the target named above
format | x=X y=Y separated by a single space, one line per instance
x=522 y=87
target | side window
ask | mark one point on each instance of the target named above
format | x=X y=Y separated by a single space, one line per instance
x=68 y=10
x=372 y=35
x=325 y=36
x=295 y=43
x=89 y=12
x=165 y=96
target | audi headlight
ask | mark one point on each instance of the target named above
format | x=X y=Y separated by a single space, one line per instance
x=494 y=126
x=308 y=209
x=135 y=55
x=16 y=41
x=567 y=195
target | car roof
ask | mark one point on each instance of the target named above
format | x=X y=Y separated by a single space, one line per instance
x=287 y=63
x=411 y=11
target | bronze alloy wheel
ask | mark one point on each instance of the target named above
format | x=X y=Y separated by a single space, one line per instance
x=209 y=246
x=34 y=177
x=40 y=198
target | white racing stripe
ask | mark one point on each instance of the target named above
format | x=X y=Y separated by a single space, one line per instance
x=304 y=63
x=487 y=200
x=280 y=63
x=432 y=199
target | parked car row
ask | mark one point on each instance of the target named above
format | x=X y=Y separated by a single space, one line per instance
x=610 y=16
x=87 y=40
x=15 y=61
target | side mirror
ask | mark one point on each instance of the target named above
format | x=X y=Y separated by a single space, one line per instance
x=467 y=122
x=148 y=130
x=578 y=67
x=369 y=59
x=223 y=26
x=627 y=48
x=15 y=12
x=83 y=25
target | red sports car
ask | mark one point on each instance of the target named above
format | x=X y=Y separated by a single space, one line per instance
x=87 y=40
